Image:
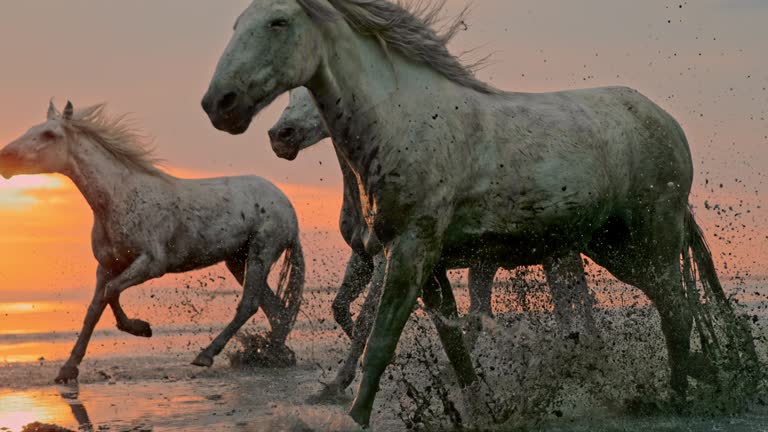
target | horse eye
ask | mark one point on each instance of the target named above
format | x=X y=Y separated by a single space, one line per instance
x=49 y=136
x=278 y=23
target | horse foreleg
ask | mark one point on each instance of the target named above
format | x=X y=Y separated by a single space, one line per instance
x=134 y=327
x=571 y=296
x=356 y=277
x=69 y=370
x=141 y=270
x=362 y=329
x=410 y=260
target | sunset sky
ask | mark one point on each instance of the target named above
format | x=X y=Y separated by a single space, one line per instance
x=705 y=61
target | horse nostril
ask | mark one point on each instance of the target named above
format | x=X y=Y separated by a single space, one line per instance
x=228 y=102
x=286 y=133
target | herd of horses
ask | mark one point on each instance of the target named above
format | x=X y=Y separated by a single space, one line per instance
x=441 y=171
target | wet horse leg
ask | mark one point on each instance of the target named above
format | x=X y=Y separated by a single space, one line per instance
x=356 y=277
x=69 y=370
x=139 y=271
x=676 y=323
x=346 y=374
x=254 y=284
x=648 y=257
x=411 y=258
x=107 y=290
x=573 y=300
x=269 y=302
x=437 y=295
x=134 y=327
x=450 y=333
x=481 y=278
x=277 y=315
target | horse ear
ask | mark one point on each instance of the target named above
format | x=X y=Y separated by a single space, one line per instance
x=52 y=112
x=68 y=111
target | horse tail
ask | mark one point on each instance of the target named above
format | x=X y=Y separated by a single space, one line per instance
x=699 y=261
x=726 y=338
x=290 y=286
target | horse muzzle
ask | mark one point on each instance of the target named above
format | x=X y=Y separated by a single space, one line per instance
x=9 y=164
x=229 y=112
x=283 y=142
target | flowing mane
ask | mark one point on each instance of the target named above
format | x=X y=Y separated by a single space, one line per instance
x=117 y=136
x=408 y=28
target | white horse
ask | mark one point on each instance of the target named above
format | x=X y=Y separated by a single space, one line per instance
x=300 y=126
x=450 y=167
x=148 y=223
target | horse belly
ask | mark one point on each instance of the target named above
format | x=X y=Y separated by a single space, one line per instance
x=195 y=248
x=522 y=230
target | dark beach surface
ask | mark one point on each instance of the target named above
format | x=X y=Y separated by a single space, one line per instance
x=533 y=379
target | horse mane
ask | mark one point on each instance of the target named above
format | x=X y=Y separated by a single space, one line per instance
x=407 y=27
x=118 y=136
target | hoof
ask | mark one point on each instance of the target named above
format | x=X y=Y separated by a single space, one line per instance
x=477 y=413
x=67 y=374
x=331 y=394
x=137 y=327
x=643 y=407
x=701 y=369
x=203 y=360
x=361 y=416
x=679 y=403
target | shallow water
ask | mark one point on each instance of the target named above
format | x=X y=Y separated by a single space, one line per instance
x=246 y=402
x=132 y=383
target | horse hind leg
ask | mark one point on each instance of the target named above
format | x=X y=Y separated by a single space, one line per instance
x=648 y=257
x=480 y=292
x=450 y=333
x=254 y=281
x=676 y=324
x=356 y=277
x=236 y=266
x=476 y=400
x=574 y=303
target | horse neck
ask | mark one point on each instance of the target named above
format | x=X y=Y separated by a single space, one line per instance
x=359 y=89
x=351 y=220
x=351 y=191
x=101 y=179
x=353 y=80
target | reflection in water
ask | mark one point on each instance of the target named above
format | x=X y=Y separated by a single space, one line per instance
x=19 y=409
x=70 y=394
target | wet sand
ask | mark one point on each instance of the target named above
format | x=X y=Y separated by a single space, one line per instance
x=551 y=384
x=266 y=401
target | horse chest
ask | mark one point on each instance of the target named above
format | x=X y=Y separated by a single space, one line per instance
x=115 y=255
x=112 y=246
